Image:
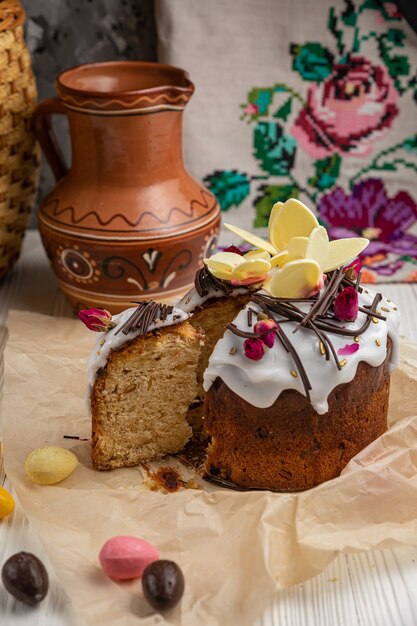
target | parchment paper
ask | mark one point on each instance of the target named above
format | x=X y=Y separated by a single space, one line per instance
x=235 y=548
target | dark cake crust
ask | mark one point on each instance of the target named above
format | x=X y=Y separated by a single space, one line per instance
x=288 y=446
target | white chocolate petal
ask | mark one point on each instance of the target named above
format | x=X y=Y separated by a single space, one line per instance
x=295 y=280
x=227 y=258
x=272 y=217
x=343 y=251
x=251 y=238
x=296 y=248
x=318 y=246
x=292 y=219
x=278 y=260
x=257 y=254
x=248 y=269
x=223 y=275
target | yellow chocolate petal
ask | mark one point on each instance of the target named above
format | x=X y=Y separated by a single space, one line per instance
x=343 y=251
x=296 y=248
x=248 y=269
x=227 y=258
x=272 y=217
x=251 y=238
x=295 y=280
x=257 y=254
x=292 y=219
x=278 y=260
x=318 y=246
x=221 y=274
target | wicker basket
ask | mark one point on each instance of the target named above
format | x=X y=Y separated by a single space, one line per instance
x=19 y=152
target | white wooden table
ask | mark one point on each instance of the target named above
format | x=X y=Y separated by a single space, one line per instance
x=367 y=589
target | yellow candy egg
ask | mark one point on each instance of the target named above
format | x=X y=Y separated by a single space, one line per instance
x=6 y=503
x=50 y=465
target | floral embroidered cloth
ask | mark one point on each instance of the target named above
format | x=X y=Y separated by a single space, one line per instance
x=314 y=99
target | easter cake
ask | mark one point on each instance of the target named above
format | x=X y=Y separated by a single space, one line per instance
x=280 y=351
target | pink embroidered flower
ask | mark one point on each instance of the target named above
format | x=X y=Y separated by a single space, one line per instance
x=349 y=111
x=353 y=270
x=346 y=305
x=251 y=109
x=254 y=349
x=98 y=320
x=348 y=349
x=267 y=328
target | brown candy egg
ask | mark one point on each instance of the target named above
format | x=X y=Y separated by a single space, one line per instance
x=25 y=578
x=163 y=584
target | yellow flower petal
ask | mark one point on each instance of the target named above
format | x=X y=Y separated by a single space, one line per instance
x=343 y=251
x=272 y=217
x=223 y=275
x=292 y=219
x=257 y=254
x=248 y=269
x=279 y=259
x=318 y=246
x=296 y=248
x=251 y=238
x=227 y=258
x=295 y=280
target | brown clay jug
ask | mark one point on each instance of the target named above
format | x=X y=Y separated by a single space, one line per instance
x=127 y=221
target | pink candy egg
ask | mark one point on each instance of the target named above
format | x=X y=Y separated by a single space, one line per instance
x=126 y=557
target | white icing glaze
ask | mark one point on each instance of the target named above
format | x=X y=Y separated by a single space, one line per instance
x=192 y=300
x=261 y=382
x=111 y=341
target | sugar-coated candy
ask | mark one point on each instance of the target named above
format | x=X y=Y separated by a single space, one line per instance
x=125 y=557
x=163 y=584
x=25 y=578
x=6 y=503
x=50 y=465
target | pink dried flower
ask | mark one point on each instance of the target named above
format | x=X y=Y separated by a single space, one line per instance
x=346 y=305
x=267 y=329
x=254 y=349
x=234 y=249
x=349 y=348
x=353 y=270
x=98 y=320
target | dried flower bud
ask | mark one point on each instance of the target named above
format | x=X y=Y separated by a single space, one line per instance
x=234 y=249
x=254 y=349
x=267 y=329
x=98 y=320
x=346 y=305
x=353 y=270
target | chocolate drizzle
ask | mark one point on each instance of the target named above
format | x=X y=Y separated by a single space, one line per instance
x=319 y=319
x=205 y=281
x=146 y=314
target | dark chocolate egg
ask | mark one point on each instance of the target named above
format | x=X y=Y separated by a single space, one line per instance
x=25 y=577
x=163 y=584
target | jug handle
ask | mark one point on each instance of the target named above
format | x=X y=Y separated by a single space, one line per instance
x=46 y=136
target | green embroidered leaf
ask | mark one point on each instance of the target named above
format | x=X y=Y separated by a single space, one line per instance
x=398 y=66
x=269 y=195
x=261 y=99
x=327 y=172
x=312 y=61
x=396 y=37
x=349 y=15
x=229 y=186
x=274 y=150
x=410 y=144
x=284 y=110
